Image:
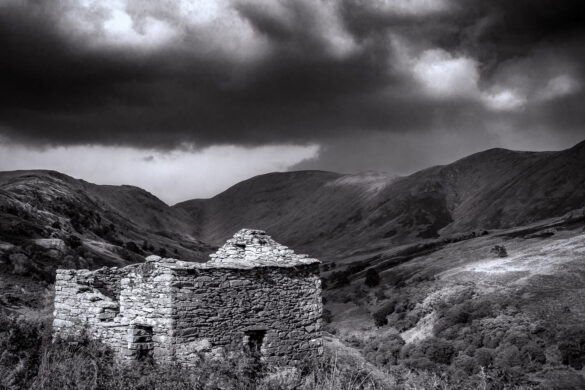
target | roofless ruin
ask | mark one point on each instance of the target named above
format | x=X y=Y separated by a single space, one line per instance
x=253 y=296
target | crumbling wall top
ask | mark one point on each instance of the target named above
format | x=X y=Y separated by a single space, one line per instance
x=248 y=248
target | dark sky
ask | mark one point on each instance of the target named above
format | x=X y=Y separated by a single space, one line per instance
x=227 y=85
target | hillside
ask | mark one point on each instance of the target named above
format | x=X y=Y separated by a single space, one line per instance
x=446 y=304
x=331 y=215
x=467 y=311
x=340 y=217
x=48 y=219
x=304 y=209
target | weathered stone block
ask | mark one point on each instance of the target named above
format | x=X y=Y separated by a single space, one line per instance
x=254 y=293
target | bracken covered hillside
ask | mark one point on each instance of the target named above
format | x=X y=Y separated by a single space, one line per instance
x=328 y=214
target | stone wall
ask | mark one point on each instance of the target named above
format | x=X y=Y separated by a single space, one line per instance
x=223 y=308
x=86 y=305
x=179 y=313
x=146 y=307
x=114 y=306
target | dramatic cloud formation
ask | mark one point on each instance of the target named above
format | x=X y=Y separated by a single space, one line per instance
x=162 y=74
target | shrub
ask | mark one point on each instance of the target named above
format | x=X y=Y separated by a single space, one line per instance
x=533 y=356
x=507 y=356
x=380 y=318
x=484 y=357
x=384 y=351
x=500 y=251
x=131 y=246
x=466 y=364
x=572 y=347
x=73 y=241
x=438 y=350
x=434 y=350
x=381 y=314
x=372 y=278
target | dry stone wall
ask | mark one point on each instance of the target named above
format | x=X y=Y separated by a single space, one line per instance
x=255 y=297
x=223 y=308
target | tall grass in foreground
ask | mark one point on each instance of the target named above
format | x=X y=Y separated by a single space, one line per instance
x=29 y=360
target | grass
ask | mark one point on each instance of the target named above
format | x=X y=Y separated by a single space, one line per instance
x=30 y=360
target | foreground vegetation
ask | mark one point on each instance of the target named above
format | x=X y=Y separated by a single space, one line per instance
x=478 y=311
x=489 y=312
x=30 y=360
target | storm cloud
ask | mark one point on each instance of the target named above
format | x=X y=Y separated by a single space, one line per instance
x=165 y=74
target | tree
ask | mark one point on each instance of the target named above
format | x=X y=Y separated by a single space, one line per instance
x=372 y=278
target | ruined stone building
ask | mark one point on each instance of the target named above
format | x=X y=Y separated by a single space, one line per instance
x=254 y=296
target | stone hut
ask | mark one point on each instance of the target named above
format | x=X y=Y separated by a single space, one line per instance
x=254 y=296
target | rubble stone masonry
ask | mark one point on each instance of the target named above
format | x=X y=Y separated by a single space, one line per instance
x=255 y=296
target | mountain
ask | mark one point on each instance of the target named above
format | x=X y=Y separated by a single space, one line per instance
x=331 y=215
x=305 y=209
x=48 y=219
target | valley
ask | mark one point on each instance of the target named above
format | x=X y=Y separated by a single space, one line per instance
x=479 y=265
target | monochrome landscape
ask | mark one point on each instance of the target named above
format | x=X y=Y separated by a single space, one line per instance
x=324 y=194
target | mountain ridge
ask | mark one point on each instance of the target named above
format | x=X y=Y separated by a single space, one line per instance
x=323 y=213
x=493 y=189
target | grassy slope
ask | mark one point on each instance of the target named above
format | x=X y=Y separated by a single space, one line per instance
x=540 y=284
x=32 y=201
x=330 y=215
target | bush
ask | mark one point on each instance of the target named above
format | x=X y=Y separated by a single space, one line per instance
x=131 y=246
x=438 y=350
x=500 y=251
x=372 y=278
x=73 y=241
x=533 y=356
x=381 y=314
x=572 y=347
x=384 y=351
x=484 y=357
x=507 y=356
x=20 y=356
x=465 y=364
